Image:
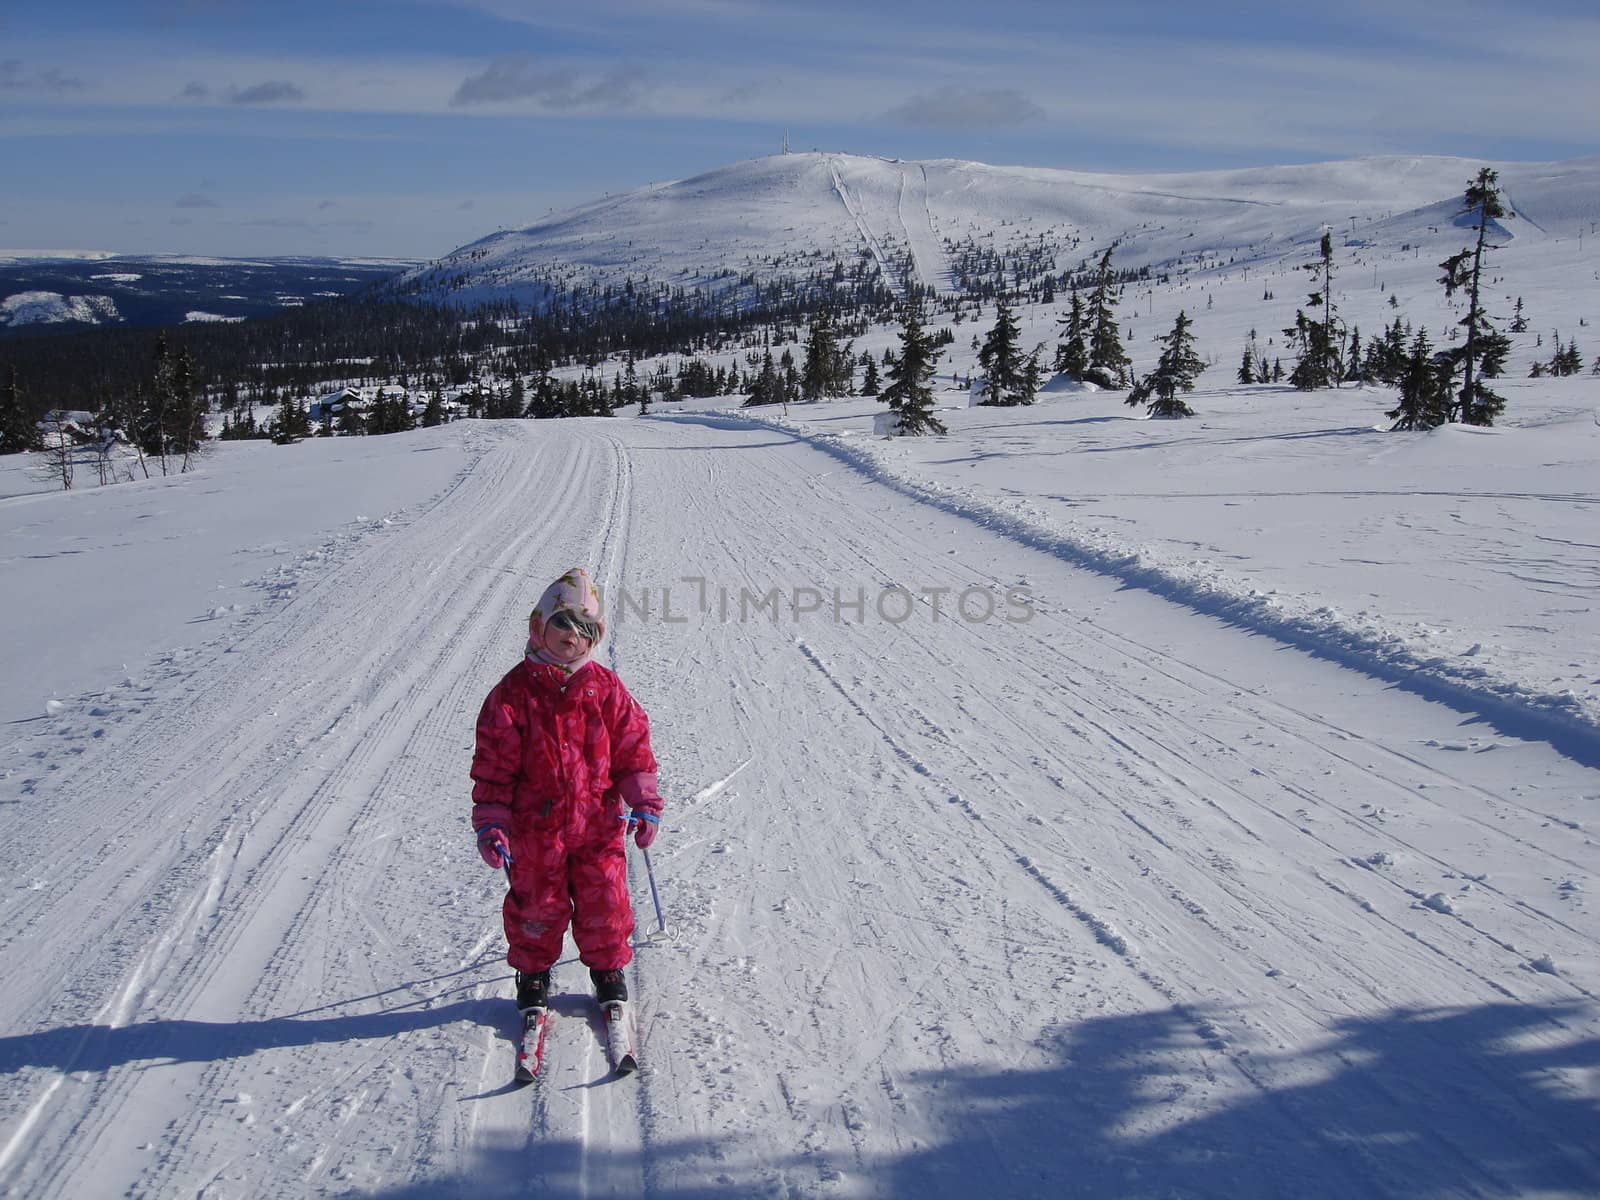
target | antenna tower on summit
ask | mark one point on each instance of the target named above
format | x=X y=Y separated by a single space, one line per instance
x=786 y=141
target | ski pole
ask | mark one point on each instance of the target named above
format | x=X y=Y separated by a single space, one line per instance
x=505 y=863
x=661 y=921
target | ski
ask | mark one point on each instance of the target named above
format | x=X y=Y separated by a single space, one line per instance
x=619 y=1037
x=530 y=1043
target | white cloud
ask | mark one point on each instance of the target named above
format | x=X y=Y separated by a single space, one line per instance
x=514 y=77
x=958 y=107
x=274 y=91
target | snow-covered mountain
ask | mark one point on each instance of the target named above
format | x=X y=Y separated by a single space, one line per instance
x=789 y=215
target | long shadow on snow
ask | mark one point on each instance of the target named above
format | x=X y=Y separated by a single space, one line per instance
x=1414 y=1104
x=101 y=1048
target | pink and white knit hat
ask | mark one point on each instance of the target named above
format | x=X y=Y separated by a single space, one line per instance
x=573 y=593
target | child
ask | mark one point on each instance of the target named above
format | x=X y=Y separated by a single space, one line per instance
x=563 y=770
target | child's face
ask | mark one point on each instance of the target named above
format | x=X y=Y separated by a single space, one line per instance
x=563 y=640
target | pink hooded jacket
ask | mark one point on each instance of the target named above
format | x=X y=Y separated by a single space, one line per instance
x=563 y=750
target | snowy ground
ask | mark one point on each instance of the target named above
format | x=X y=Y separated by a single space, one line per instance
x=1136 y=897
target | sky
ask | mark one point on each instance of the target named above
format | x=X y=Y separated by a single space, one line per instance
x=406 y=128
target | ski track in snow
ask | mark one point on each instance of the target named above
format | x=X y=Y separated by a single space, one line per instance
x=1119 y=900
x=916 y=218
x=853 y=206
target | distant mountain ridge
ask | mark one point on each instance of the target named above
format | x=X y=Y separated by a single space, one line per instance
x=928 y=223
x=78 y=288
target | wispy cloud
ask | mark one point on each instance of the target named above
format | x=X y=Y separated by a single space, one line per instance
x=518 y=77
x=195 y=200
x=967 y=108
x=14 y=77
x=274 y=91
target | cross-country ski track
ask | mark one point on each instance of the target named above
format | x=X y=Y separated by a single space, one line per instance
x=1114 y=901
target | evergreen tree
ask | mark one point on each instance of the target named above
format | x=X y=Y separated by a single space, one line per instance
x=1387 y=356
x=828 y=368
x=1424 y=388
x=628 y=387
x=547 y=400
x=292 y=423
x=910 y=391
x=18 y=430
x=870 y=384
x=1176 y=371
x=1108 y=362
x=1010 y=378
x=1352 y=357
x=1247 y=364
x=1519 y=323
x=767 y=387
x=433 y=414
x=1318 y=341
x=1475 y=404
x=1072 y=353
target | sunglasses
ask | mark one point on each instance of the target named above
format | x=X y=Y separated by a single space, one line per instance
x=573 y=624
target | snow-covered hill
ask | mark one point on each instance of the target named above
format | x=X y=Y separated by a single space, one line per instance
x=785 y=215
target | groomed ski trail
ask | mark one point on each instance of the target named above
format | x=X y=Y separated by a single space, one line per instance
x=1116 y=900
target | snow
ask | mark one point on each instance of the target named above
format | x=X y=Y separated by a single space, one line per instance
x=1131 y=870
x=52 y=308
x=1072 y=804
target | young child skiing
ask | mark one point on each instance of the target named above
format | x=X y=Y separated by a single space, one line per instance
x=562 y=772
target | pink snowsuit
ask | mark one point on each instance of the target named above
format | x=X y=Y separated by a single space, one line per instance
x=560 y=760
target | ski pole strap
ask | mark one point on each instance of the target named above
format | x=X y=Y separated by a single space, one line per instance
x=644 y=816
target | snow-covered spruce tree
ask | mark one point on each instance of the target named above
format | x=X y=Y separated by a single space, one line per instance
x=1109 y=364
x=1253 y=366
x=910 y=391
x=1072 y=352
x=1352 y=357
x=1176 y=370
x=546 y=401
x=1318 y=342
x=18 y=430
x=870 y=383
x=827 y=371
x=767 y=387
x=1475 y=404
x=1010 y=377
x=1424 y=388
x=1386 y=357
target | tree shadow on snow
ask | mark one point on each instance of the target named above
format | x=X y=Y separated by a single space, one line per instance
x=1419 y=1105
x=1415 y=1104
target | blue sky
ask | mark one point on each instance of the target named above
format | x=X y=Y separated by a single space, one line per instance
x=408 y=127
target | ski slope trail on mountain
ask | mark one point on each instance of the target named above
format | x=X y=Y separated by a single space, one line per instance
x=922 y=239
x=981 y=871
x=854 y=207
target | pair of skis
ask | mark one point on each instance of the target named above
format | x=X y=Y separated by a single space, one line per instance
x=618 y=1038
